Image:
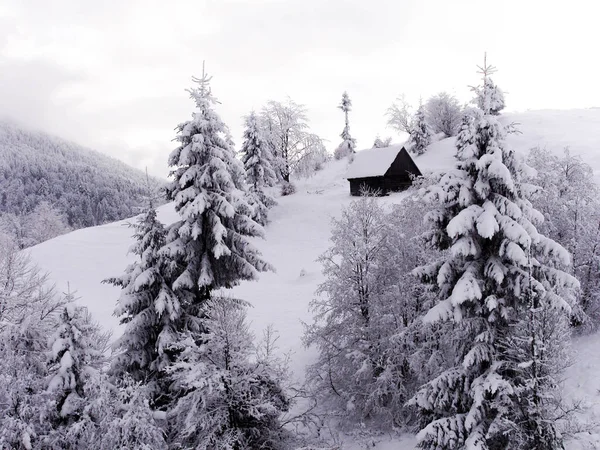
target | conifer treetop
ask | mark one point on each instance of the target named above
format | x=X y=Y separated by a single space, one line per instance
x=210 y=242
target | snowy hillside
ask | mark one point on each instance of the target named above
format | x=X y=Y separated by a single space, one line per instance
x=299 y=233
x=87 y=186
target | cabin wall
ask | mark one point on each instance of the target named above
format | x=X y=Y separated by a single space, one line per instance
x=395 y=184
x=372 y=183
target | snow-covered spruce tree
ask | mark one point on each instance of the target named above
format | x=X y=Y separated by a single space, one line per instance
x=486 y=222
x=74 y=354
x=420 y=133
x=148 y=308
x=256 y=158
x=488 y=97
x=75 y=363
x=234 y=400
x=348 y=144
x=209 y=248
x=24 y=400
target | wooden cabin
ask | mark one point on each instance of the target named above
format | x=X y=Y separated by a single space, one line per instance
x=387 y=169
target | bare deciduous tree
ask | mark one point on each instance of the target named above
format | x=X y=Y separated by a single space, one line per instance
x=287 y=130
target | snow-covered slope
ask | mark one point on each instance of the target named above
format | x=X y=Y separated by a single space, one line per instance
x=299 y=233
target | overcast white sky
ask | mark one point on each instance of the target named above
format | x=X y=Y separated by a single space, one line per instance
x=111 y=74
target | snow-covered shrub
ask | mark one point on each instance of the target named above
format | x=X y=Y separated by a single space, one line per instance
x=287 y=188
x=236 y=400
x=124 y=416
x=443 y=114
x=380 y=143
x=568 y=198
x=312 y=162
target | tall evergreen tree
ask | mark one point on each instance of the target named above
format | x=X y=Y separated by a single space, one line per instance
x=348 y=144
x=257 y=158
x=147 y=307
x=420 y=132
x=496 y=256
x=209 y=249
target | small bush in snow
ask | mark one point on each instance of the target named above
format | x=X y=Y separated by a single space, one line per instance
x=287 y=188
x=380 y=143
x=443 y=114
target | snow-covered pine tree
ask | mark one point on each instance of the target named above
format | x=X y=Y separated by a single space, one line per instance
x=420 y=133
x=486 y=222
x=209 y=249
x=74 y=354
x=147 y=307
x=256 y=158
x=488 y=97
x=76 y=359
x=348 y=144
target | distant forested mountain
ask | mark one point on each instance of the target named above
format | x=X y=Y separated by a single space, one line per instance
x=86 y=187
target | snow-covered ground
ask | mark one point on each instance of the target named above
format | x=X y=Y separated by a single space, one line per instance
x=299 y=233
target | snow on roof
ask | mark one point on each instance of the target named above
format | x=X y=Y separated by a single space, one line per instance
x=373 y=162
x=439 y=156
